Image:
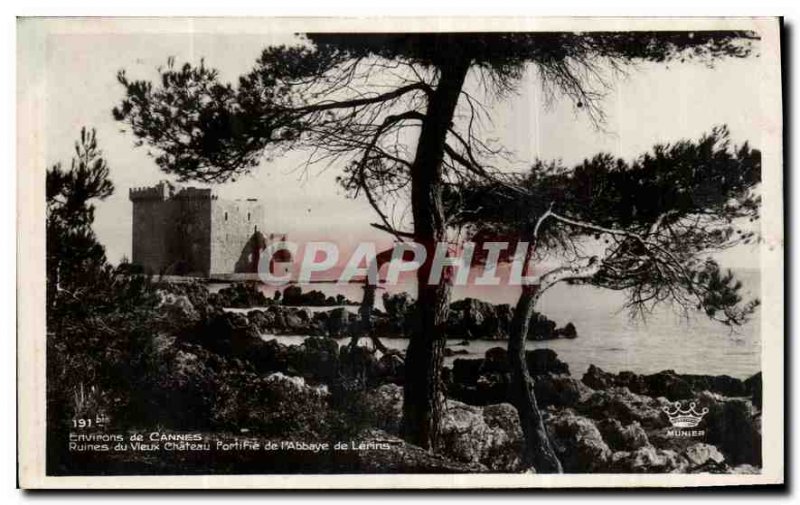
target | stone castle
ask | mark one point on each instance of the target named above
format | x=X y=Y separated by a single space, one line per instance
x=190 y=231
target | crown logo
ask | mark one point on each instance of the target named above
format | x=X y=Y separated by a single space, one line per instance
x=688 y=418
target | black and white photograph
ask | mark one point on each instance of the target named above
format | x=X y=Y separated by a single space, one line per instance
x=317 y=252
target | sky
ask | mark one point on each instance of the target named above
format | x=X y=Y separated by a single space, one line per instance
x=653 y=103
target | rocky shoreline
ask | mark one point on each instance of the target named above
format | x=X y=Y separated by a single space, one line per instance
x=608 y=422
x=596 y=430
x=601 y=422
x=289 y=313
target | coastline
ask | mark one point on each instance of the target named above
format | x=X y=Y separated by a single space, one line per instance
x=225 y=384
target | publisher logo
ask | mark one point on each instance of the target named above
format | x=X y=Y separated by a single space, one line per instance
x=684 y=421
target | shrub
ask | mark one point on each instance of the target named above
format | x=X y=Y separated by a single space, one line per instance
x=273 y=405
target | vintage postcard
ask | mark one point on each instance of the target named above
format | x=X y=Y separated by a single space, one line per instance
x=400 y=253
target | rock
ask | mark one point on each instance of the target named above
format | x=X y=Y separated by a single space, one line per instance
x=623 y=438
x=467 y=318
x=701 y=455
x=495 y=359
x=732 y=426
x=228 y=333
x=503 y=314
x=466 y=436
x=507 y=456
x=391 y=367
x=402 y=457
x=337 y=322
x=596 y=378
x=178 y=309
x=315 y=298
x=270 y=356
x=721 y=384
x=289 y=384
x=294 y=296
x=264 y=322
x=491 y=388
x=358 y=362
x=278 y=317
x=490 y=437
x=647 y=459
x=241 y=295
x=448 y=352
x=486 y=381
x=273 y=405
x=745 y=470
x=399 y=318
x=475 y=319
x=180 y=387
x=488 y=388
x=238 y=336
x=545 y=362
x=471 y=319
x=291 y=295
x=541 y=328
x=567 y=331
x=467 y=371
x=316 y=357
x=386 y=403
x=577 y=442
x=666 y=383
x=558 y=391
x=290 y=405
x=196 y=292
x=540 y=362
x=397 y=305
x=754 y=388
x=184 y=369
x=627 y=407
x=504 y=416
x=294 y=321
x=480 y=381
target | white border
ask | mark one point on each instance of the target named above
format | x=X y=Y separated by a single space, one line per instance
x=30 y=257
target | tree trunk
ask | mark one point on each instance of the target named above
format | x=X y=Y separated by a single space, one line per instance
x=424 y=356
x=538 y=451
x=365 y=319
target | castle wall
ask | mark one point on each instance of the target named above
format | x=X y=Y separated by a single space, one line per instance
x=191 y=232
x=171 y=233
x=150 y=224
x=190 y=243
x=233 y=227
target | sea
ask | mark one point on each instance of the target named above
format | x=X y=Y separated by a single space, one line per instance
x=608 y=337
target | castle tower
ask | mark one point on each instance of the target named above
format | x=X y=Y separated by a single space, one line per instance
x=189 y=231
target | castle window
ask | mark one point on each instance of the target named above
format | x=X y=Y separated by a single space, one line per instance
x=226 y=216
x=248 y=216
